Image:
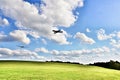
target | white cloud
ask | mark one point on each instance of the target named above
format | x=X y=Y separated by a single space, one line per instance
x=5 y=38
x=43 y=50
x=19 y=54
x=54 y=52
x=44 y=41
x=32 y=33
x=118 y=34
x=101 y=35
x=86 y=51
x=17 y=35
x=114 y=37
x=115 y=43
x=82 y=37
x=2 y=36
x=81 y=56
x=21 y=36
x=54 y=13
x=59 y=38
x=4 y=22
x=27 y=30
x=102 y=50
x=88 y=30
x=74 y=53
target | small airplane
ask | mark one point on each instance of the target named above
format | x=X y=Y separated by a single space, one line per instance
x=57 y=31
x=21 y=46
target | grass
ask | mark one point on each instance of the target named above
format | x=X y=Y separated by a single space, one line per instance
x=18 y=70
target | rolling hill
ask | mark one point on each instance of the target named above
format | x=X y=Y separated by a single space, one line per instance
x=27 y=70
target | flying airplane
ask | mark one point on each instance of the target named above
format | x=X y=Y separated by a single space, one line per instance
x=21 y=46
x=57 y=31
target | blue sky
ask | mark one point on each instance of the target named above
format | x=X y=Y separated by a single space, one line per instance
x=91 y=31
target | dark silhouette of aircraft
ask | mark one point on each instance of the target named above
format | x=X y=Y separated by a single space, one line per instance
x=21 y=46
x=57 y=31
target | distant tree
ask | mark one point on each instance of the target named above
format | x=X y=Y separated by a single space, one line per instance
x=111 y=64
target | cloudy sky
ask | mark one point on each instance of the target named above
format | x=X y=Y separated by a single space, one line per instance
x=91 y=30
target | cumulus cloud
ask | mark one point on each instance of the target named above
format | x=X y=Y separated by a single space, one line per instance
x=115 y=43
x=82 y=37
x=113 y=36
x=21 y=36
x=53 y=14
x=33 y=34
x=19 y=54
x=5 y=38
x=101 y=35
x=118 y=34
x=4 y=22
x=76 y=55
x=17 y=35
x=43 y=50
x=88 y=30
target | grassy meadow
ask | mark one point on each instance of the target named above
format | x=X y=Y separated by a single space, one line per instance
x=19 y=70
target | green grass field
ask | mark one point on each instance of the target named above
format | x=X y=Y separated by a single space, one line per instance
x=10 y=70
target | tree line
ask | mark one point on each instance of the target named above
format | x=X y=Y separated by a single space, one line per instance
x=111 y=64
